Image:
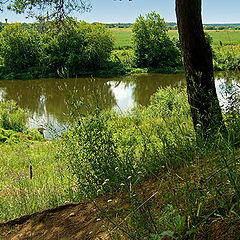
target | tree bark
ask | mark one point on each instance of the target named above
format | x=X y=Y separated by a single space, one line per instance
x=197 y=56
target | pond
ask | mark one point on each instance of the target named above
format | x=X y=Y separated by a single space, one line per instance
x=47 y=100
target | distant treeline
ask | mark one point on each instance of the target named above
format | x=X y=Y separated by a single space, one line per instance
x=170 y=25
x=173 y=26
x=218 y=26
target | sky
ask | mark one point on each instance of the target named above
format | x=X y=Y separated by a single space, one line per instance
x=116 y=11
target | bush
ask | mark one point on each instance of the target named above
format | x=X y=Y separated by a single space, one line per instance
x=93 y=156
x=106 y=150
x=152 y=45
x=226 y=60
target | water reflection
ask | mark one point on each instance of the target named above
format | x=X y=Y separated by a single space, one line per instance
x=47 y=99
x=145 y=85
x=228 y=88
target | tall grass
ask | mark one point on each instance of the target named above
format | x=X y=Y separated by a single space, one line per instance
x=196 y=181
x=31 y=179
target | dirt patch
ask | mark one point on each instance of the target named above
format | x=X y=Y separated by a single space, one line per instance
x=71 y=221
x=84 y=220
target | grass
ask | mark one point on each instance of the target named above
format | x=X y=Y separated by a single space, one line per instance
x=227 y=37
x=117 y=141
x=122 y=37
x=21 y=193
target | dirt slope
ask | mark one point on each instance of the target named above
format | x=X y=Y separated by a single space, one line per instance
x=70 y=221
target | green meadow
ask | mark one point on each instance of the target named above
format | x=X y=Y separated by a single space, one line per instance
x=122 y=37
x=227 y=37
x=32 y=178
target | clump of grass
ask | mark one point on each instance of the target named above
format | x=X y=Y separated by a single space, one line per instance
x=105 y=149
x=226 y=58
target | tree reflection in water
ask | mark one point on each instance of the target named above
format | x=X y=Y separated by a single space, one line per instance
x=47 y=100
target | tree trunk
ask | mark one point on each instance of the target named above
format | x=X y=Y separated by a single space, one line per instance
x=197 y=55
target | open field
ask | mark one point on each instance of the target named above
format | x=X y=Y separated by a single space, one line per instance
x=227 y=37
x=123 y=37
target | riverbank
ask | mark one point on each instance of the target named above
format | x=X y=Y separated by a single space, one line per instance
x=148 y=156
x=120 y=63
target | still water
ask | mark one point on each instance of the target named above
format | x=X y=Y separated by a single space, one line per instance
x=47 y=100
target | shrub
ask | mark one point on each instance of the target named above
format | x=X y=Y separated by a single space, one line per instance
x=12 y=117
x=152 y=45
x=93 y=156
x=226 y=60
x=106 y=149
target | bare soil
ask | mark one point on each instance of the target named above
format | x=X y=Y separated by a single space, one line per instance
x=70 y=221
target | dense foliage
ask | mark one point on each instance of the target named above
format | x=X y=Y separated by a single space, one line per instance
x=82 y=48
x=47 y=9
x=20 y=49
x=12 y=117
x=77 y=49
x=13 y=124
x=107 y=151
x=152 y=45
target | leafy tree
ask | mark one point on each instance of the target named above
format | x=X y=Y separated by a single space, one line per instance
x=83 y=47
x=19 y=47
x=152 y=45
x=209 y=27
x=222 y=28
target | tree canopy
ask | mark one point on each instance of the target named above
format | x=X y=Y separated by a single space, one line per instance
x=47 y=9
